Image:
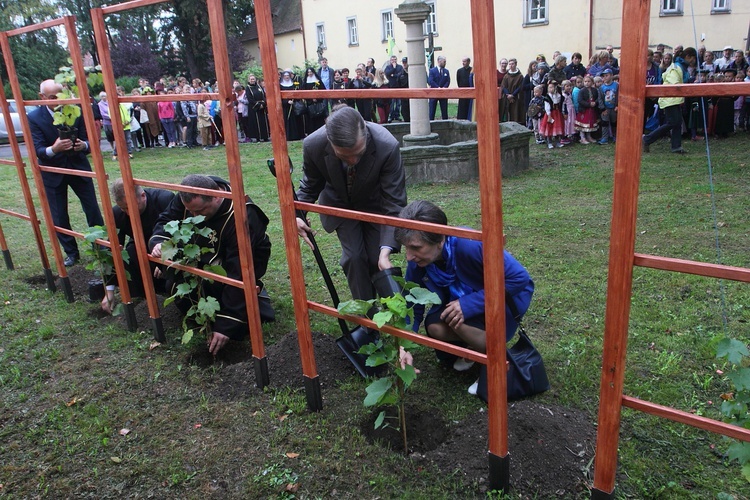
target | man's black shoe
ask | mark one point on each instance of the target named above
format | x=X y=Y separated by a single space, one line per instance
x=70 y=260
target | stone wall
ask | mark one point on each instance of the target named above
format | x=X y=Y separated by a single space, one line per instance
x=452 y=155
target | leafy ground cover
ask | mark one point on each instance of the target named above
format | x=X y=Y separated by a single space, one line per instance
x=92 y=410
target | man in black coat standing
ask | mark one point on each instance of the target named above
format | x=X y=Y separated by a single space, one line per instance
x=463 y=79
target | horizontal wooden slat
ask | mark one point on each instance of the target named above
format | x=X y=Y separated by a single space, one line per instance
x=36 y=27
x=112 y=9
x=14 y=214
x=404 y=334
x=179 y=187
x=471 y=234
x=699 y=89
x=67 y=171
x=454 y=93
x=692 y=267
x=683 y=417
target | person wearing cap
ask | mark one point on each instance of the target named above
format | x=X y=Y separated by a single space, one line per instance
x=725 y=60
x=609 y=91
x=394 y=72
x=676 y=73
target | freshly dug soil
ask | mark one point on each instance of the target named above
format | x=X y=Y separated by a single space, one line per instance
x=551 y=450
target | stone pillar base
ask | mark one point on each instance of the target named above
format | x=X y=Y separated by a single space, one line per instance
x=421 y=140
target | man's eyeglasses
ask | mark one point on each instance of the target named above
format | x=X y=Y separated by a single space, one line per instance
x=48 y=96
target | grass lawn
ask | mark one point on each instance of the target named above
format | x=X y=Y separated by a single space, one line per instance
x=71 y=382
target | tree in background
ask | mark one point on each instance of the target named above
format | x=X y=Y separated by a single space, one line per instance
x=132 y=56
x=37 y=55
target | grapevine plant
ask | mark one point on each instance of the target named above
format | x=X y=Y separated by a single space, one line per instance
x=398 y=311
x=182 y=248
x=735 y=406
x=102 y=263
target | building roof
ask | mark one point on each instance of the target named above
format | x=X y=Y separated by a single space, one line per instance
x=286 y=17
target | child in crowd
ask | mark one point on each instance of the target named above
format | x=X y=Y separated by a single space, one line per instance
x=569 y=114
x=587 y=120
x=609 y=91
x=204 y=124
x=536 y=111
x=553 y=125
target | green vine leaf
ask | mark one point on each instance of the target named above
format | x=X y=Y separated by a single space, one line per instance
x=208 y=307
x=407 y=374
x=187 y=336
x=377 y=390
x=379 y=421
x=732 y=349
x=355 y=307
x=741 y=379
x=382 y=317
x=739 y=451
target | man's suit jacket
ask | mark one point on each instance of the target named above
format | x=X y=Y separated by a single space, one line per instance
x=379 y=183
x=328 y=70
x=44 y=134
x=439 y=78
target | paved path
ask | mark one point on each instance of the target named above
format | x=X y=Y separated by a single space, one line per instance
x=7 y=153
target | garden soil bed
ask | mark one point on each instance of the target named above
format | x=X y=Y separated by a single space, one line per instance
x=551 y=447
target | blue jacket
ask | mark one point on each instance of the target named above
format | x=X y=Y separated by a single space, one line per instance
x=439 y=78
x=470 y=271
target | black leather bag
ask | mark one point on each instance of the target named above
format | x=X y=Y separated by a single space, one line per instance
x=526 y=373
x=299 y=107
x=317 y=109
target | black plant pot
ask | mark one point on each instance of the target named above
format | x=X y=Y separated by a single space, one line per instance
x=96 y=290
x=71 y=133
x=384 y=283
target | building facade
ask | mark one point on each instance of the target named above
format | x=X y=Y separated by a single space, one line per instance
x=351 y=32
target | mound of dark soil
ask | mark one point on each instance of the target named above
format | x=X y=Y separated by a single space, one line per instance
x=551 y=450
x=237 y=380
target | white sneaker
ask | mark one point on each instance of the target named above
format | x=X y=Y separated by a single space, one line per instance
x=473 y=388
x=549 y=145
x=462 y=364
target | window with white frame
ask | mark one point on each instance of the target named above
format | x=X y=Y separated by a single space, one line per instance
x=671 y=8
x=430 y=25
x=535 y=12
x=352 y=30
x=320 y=30
x=386 y=21
x=721 y=6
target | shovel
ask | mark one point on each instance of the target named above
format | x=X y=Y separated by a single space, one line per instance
x=351 y=340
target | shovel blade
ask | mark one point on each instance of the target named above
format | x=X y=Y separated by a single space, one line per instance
x=350 y=344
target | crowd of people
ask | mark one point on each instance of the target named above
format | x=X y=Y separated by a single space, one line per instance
x=563 y=101
x=567 y=102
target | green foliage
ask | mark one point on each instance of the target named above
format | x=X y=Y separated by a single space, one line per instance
x=67 y=114
x=736 y=406
x=390 y=389
x=102 y=262
x=182 y=248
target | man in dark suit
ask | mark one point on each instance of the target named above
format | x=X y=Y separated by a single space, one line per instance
x=394 y=72
x=463 y=79
x=354 y=165
x=53 y=151
x=439 y=78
